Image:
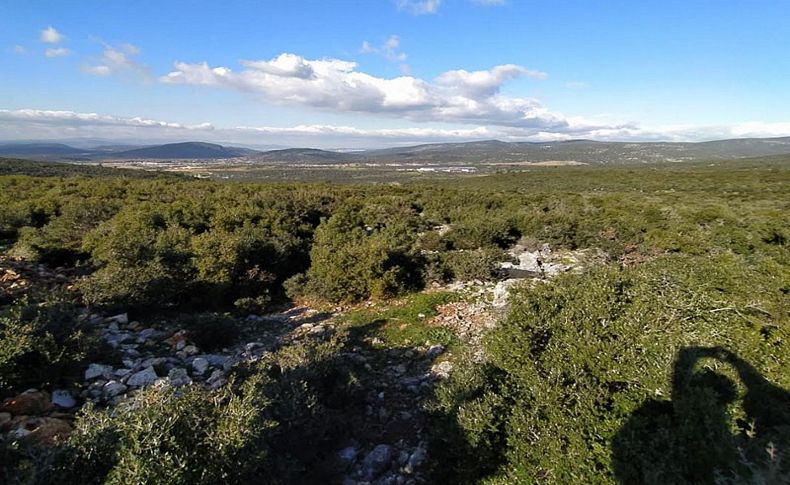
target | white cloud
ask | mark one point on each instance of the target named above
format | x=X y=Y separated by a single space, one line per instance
x=50 y=35
x=390 y=49
x=57 y=52
x=477 y=84
x=46 y=124
x=93 y=119
x=335 y=85
x=119 y=61
x=418 y=7
x=18 y=49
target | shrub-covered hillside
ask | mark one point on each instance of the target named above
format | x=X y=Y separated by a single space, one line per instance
x=166 y=309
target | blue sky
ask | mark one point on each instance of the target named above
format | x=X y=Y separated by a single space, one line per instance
x=387 y=72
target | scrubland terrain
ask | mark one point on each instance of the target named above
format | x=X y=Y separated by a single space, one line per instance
x=570 y=324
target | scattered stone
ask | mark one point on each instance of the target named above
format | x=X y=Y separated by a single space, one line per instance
x=442 y=370
x=63 y=399
x=122 y=372
x=502 y=292
x=121 y=319
x=349 y=454
x=145 y=377
x=376 y=462
x=98 y=370
x=147 y=334
x=435 y=351
x=216 y=380
x=29 y=402
x=178 y=377
x=4 y=418
x=416 y=459
x=44 y=431
x=200 y=365
x=114 y=388
x=191 y=350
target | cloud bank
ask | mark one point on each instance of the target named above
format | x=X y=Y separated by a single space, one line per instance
x=459 y=96
x=49 y=124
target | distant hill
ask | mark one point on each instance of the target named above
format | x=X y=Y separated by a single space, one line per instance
x=188 y=150
x=488 y=152
x=39 y=149
x=304 y=155
x=583 y=151
x=11 y=166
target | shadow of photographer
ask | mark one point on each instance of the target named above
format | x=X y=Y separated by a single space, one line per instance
x=693 y=437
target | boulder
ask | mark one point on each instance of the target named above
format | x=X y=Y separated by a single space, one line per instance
x=113 y=388
x=178 y=377
x=144 y=378
x=348 y=455
x=200 y=366
x=376 y=462
x=98 y=370
x=442 y=370
x=435 y=351
x=121 y=319
x=502 y=292
x=29 y=402
x=43 y=431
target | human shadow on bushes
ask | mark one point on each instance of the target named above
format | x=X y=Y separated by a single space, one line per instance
x=690 y=439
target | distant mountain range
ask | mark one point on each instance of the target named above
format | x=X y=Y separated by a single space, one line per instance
x=188 y=150
x=490 y=152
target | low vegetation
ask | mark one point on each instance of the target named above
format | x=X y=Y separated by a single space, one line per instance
x=665 y=364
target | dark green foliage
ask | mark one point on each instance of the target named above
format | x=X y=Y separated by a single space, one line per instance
x=42 y=342
x=655 y=368
x=212 y=331
x=478 y=264
x=351 y=261
x=167 y=436
x=575 y=365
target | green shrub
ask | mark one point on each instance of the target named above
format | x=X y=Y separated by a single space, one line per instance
x=169 y=436
x=59 y=242
x=212 y=331
x=476 y=264
x=586 y=363
x=42 y=343
x=351 y=261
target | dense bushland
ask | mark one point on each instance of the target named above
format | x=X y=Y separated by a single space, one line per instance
x=647 y=373
x=667 y=365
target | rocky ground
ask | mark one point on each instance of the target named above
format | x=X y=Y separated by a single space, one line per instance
x=389 y=442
